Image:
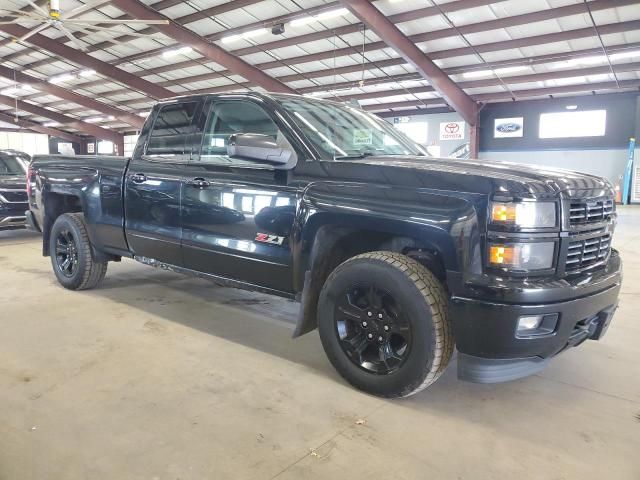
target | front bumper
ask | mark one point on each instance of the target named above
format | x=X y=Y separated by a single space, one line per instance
x=485 y=320
x=11 y=222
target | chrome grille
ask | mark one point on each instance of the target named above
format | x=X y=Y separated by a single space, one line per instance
x=584 y=253
x=590 y=211
x=13 y=196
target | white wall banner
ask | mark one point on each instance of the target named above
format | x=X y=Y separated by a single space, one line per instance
x=508 y=127
x=452 y=130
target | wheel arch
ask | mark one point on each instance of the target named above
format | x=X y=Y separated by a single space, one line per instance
x=337 y=241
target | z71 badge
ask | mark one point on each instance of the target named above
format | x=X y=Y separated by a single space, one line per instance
x=270 y=239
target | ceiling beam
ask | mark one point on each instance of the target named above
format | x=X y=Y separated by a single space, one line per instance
x=404 y=108
x=85 y=127
x=87 y=61
x=164 y=4
x=212 y=52
x=225 y=7
x=453 y=6
x=44 y=86
x=37 y=127
x=423 y=37
x=523 y=19
x=490 y=81
x=412 y=15
x=540 y=59
x=392 y=36
x=495 y=82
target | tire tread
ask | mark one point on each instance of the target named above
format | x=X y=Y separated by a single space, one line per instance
x=93 y=272
x=434 y=295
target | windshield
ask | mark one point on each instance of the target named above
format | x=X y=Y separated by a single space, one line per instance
x=11 y=166
x=341 y=131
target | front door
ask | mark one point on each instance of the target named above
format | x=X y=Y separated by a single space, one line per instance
x=237 y=214
x=153 y=185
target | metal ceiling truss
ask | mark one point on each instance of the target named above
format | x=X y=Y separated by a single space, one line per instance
x=69 y=96
x=209 y=50
x=438 y=34
x=88 y=128
x=37 y=127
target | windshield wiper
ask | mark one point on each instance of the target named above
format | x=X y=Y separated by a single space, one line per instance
x=355 y=156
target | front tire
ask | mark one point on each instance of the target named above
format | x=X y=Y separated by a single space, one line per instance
x=71 y=254
x=383 y=322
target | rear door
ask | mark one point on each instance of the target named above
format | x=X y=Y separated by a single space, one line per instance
x=153 y=184
x=237 y=214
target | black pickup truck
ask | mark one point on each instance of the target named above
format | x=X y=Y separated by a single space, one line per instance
x=395 y=256
x=13 y=196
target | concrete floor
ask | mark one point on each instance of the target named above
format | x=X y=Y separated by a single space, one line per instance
x=157 y=376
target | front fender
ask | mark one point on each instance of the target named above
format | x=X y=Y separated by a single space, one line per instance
x=444 y=221
x=401 y=219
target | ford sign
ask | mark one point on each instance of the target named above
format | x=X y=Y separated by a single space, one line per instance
x=508 y=127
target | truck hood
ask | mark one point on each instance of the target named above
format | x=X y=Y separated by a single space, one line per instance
x=13 y=182
x=507 y=177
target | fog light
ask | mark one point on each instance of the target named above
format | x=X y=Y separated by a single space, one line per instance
x=536 y=325
x=527 y=324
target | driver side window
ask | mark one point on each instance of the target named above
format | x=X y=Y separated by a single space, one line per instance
x=234 y=117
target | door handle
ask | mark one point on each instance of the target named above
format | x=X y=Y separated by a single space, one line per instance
x=138 y=178
x=198 y=183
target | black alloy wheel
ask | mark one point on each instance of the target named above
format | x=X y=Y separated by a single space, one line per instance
x=72 y=255
x=372 y=329
x=66 y=253
x=383 y=322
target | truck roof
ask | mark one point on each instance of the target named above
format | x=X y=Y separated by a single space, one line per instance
x=249 y=94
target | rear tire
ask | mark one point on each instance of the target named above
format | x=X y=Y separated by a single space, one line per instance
x=71 y=254
x=383 y=322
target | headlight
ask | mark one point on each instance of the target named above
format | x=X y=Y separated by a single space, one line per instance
x=524 y=214
x=522 y=256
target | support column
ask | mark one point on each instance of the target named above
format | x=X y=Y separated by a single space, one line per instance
x=474 y=140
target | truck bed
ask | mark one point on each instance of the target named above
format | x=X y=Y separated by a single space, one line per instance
x=97 y=181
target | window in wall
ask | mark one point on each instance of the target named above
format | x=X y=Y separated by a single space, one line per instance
x=129 y=144
x=587 y=123
x=416 y=131
x=105 y=147
x=31 y=143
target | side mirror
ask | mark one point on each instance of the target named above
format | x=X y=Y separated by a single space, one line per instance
x=256 y=146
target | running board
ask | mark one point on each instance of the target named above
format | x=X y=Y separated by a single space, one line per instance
x=218 y=280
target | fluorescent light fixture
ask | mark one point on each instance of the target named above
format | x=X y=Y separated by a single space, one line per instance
x=576 y=62
x=340 y=12
x=600 y=77
x=18 y=90
x=65 y=77
x=87 y=73
x=176 y=51
x=93 y=119
x=298 y=22
x=497 y=71
x=560 y=82
x=245 y=35
x=518 y=68
x=477 y=73
x=571 y=107
x=624 y=55
x=51 y=124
